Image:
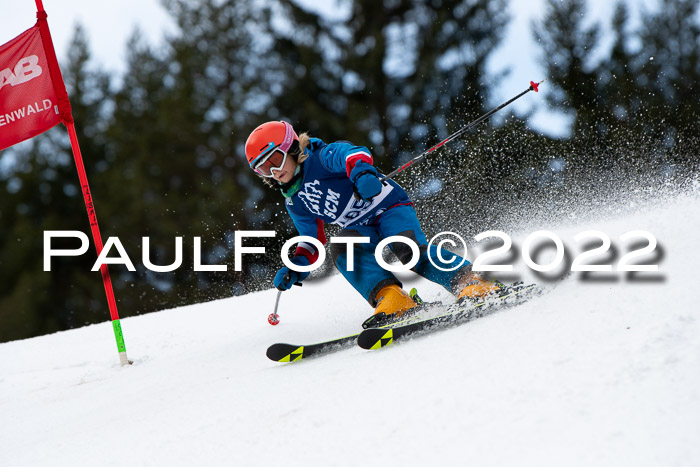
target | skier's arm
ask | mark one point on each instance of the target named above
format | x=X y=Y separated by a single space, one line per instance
x=310 y=226
x=341 y=157
x=356 y=162
x=306 y=253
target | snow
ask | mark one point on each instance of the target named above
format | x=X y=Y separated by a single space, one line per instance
x=600 y=372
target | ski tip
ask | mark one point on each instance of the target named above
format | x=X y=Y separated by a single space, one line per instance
x=285 y=352
x=375 y=338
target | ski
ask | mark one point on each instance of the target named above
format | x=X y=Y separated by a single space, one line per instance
x=292 y=353
x=281 y=352
x=386 y=333
x=375 y=338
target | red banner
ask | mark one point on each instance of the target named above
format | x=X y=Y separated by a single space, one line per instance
x=28 y=101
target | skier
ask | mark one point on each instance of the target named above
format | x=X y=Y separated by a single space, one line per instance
x=337 y=183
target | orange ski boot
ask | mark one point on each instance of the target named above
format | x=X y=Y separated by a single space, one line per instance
x=474 y=287
x=393 y=301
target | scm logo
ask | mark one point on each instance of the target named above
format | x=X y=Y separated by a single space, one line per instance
x=27 y=68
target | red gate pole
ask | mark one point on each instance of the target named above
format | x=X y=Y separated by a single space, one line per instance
x=67 y=116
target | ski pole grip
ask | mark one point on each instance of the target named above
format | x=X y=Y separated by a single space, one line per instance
x=288 y=277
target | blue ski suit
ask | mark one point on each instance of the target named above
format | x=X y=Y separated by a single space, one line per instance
x=324 y=194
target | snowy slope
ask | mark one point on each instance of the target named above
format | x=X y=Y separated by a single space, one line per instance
x=603 y=373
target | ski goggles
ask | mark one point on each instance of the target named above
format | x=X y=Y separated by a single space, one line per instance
x=273 y=159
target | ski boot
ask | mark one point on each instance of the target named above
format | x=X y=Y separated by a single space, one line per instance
x=473 y=287
x=393 y=303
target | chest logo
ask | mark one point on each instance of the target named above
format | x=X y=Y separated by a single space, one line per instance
x=318 y=202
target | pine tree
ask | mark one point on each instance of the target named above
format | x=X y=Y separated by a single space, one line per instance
x=567 y=46
x=669 y=66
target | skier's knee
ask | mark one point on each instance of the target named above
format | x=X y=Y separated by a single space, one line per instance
x=340 y=249
x=403 y=251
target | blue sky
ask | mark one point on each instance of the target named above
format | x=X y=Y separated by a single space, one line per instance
x=109 y=24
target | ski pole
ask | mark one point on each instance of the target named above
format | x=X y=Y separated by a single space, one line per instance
x=460 y=132
x=274 y=318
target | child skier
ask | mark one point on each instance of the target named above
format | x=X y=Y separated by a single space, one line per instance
x=337 y=183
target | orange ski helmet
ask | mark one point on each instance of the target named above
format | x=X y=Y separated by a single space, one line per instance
x=267 y=137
